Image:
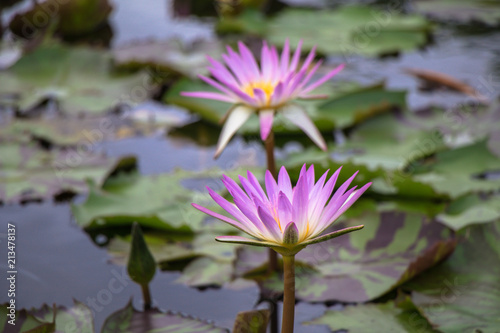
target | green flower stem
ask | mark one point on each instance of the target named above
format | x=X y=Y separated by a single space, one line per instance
x=147 y=296
x=271 y=166
x=288 y=294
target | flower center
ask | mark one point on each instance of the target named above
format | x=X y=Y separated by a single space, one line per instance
x=266 y=86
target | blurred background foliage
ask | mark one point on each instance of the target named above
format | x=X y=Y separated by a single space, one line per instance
x=91 y=120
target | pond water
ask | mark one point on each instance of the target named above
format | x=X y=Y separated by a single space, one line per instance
x=59 y=262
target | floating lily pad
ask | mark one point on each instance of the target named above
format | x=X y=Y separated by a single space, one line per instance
x=350 y=30
x=86 y=132
x=51 y=319
x=386 y=317
x=29 y=173
x=469 y=210
x=80 y=79
x=203 y=261
x=71 y=18
x=344 y=109
x=393 y=247
x=461 y=171
x=404 y=154
x=132 y=321
x=463 y=293
x=168 y=57
x=461 y=11
x=160 y=202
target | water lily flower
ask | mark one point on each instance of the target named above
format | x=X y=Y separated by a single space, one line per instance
x=283 y=217
x=266 y=89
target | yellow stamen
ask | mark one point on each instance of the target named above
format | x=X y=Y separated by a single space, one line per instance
x=266 y=86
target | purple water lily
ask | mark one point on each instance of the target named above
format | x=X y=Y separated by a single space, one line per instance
x=265 y=89
x=283 y=217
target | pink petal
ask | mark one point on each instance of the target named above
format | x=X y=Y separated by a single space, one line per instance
x=271 y=224
x=323 y=79
x=300 y=203
x=296 y=57
x=266 y=122
x=234 y=121
x=208 y=95
x=284 y=183
x=223 y=218
x=271 y=188
x=298 y=116
x=285 y=57
x=249 y=59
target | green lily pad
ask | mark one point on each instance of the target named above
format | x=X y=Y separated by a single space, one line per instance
x=29 y=173
x=343 y=109
x=461 y=171
x=204 y=261
x=161 y=202
x=461 y=11
x=169 y=56
x=350 y=30
x=129 y=320
x=51 y=319
x=386 y=317
x=23 y=321
x=393 y=247
x=469 y=210
x=206 y=272
x=71 y=18
x=80 y=79
x=463 y=293
x=82 y=131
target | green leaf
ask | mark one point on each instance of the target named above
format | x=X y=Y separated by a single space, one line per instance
x=461 y=171
x=393 y=247
x=85 y=132
x=382 y=317
x=254 y=321
x=349 y=30
x=463 y=293
x=77 y=318
x=161 y=202
x=23 y=321
x=128 y=320
x=72 y=18
x=359 y=105
x=206 y=272
x=461 y=11
x=141 y=265
x=80 y=79
x=168 y=57
x=179 y=253
x=29 y=173
x=470 y=210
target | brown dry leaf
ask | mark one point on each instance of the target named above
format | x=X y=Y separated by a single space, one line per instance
x=446 y=81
